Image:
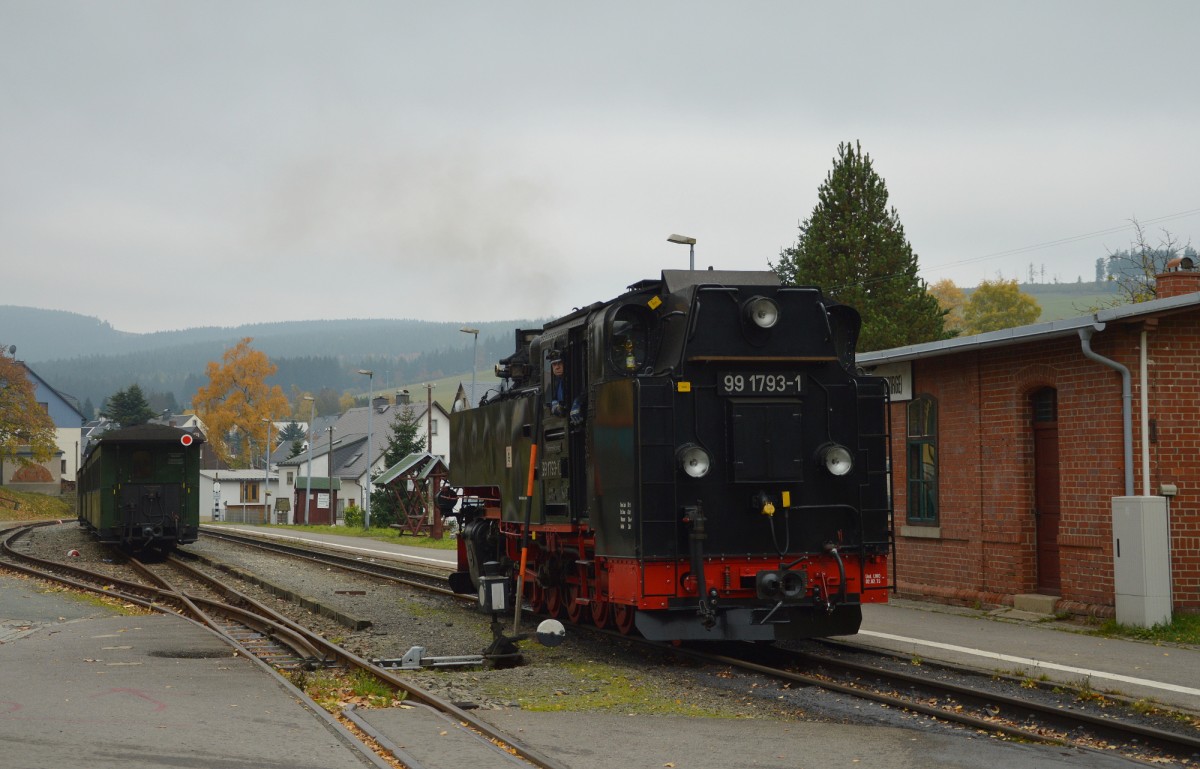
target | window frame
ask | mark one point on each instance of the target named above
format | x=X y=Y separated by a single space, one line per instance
x=921 y=452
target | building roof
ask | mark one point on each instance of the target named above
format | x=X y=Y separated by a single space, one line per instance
x=1035 y=332
x=233 y=475
x=70 y=401
x=481 y=389
x=419 y=465
x=319 y=483
x=349 y=458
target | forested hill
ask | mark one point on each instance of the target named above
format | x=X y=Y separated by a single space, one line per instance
x=89 y=359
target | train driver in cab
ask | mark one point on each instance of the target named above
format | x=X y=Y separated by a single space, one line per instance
x=558 y=388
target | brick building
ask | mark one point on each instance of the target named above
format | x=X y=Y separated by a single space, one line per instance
x=1009 y=447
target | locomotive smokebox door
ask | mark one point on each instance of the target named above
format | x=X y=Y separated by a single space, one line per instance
x=493 y=589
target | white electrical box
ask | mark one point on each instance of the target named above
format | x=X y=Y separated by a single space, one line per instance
x=1141 y=560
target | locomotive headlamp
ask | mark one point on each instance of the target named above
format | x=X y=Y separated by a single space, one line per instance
x=837 y=459
x=763 y=311
x=693 y=460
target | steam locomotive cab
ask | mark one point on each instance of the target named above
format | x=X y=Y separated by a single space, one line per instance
x=707 y=466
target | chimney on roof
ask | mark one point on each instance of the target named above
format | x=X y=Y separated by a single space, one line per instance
x=380 y=403
x=1179 y=277
x=402 y=398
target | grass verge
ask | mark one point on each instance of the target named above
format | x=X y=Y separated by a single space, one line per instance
x=26 y=506
x=1182 y=629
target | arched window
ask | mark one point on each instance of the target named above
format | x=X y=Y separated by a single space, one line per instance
x=1045 y=405
x=629 y=339
x=922 y=461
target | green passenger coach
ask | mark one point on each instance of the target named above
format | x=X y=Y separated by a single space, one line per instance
x=139 y=487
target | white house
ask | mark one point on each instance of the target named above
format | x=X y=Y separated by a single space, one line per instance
x=241 y=496
x=339 y=457
x=47 y=477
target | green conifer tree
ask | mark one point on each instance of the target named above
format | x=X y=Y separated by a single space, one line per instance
x=853 y=247
x=129 y=407
x=403 y=441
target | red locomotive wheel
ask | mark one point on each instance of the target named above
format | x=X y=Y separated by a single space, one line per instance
x=575 y=610
x=535 y=596
x=623 y=618
x=601 y=613
x=553 y=602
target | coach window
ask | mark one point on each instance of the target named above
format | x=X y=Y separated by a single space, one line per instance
x=628 y=339
x=141 y=466
x=922 y=461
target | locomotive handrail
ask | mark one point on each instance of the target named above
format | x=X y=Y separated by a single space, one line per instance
x=533 y=446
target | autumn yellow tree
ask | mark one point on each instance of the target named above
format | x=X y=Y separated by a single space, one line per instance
x=997 y=304
x=27 y=433
x=237 y=401
x=952 y=300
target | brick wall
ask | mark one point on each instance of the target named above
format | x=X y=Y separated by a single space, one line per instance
x=985 y=547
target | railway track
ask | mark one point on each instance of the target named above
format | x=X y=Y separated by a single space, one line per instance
x=1017 y=715
x=423 y=577
x=964 y=702
x=258 y=630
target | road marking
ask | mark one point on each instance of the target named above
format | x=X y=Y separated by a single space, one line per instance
x=1037 y=663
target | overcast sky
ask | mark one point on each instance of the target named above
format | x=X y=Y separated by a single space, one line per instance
x=174 y=164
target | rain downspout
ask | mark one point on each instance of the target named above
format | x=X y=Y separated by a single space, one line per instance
x=1085 y=339
x=1144 y=415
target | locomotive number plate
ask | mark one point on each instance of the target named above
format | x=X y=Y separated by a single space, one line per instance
x=755 y=383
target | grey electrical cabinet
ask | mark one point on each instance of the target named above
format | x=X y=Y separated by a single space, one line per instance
x=1141 y=560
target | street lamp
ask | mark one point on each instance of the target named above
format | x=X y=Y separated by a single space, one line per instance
x=370 y=375
x=690 y=243
x=312 y=413
x=267 y=475
x=474 y=360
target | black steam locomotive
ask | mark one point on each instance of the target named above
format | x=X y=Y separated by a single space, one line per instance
x=695 y=459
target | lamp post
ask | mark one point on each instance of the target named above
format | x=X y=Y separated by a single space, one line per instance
x=312 y=413
x=370 y=375
x=690 y=243
x=267 y=475
x=474 y=360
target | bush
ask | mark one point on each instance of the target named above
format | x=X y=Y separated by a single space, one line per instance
x=353 y=516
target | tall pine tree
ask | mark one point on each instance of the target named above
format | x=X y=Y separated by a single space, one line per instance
x=853 y=248
x=404 y=440
x=129 y=407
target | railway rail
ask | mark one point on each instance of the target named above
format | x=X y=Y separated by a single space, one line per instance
x=276 y=639
x=1020 y=715
x=990 y=711
x=423 y=577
